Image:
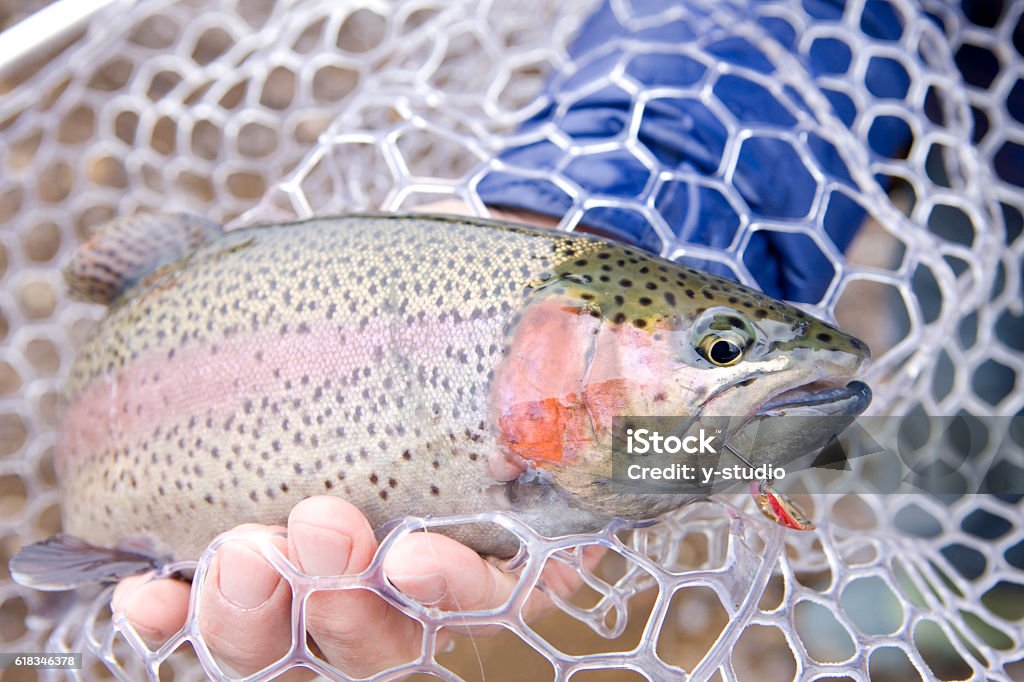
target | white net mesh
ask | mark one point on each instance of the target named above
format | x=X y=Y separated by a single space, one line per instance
x=314 y=107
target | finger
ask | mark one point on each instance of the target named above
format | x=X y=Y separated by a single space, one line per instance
x=357 y=631
x=245 y=607
x=564 y=579
x=439 y=571
x=436 y=570
x=155 y=608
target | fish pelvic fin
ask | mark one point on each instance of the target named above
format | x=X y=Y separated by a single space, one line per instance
x=65 y=562
x=128 y=249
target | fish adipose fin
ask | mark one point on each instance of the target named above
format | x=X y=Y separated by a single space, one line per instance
x=64 y=562
x=128 y=249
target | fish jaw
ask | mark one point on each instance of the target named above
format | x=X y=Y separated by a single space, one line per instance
x=841 y=401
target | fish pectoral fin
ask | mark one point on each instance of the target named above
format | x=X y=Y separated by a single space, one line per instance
x=65 y=562
x=128 y=249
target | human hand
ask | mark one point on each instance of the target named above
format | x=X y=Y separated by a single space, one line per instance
x=245 y=607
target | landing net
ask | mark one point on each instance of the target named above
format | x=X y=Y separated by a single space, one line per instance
x=248 y=113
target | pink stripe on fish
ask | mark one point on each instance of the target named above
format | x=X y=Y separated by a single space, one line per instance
x=214 y=381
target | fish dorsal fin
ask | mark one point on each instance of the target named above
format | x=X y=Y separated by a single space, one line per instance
x=64 y=562
x=128 y=249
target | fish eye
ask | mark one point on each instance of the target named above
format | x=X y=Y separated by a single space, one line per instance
x=722 y=336
x=722 y=349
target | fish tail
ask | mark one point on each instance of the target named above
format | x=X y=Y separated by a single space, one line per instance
x=65 y=562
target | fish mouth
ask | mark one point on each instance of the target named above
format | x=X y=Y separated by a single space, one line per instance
x=817 y=412
x=819 y=398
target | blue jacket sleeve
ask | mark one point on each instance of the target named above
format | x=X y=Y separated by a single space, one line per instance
x=683 y=134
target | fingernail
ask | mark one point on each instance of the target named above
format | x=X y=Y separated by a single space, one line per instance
x=428 y=588
x=321 y=551
x=246 y=579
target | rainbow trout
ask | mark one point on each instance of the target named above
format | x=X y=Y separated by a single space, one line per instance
x=414 y=365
